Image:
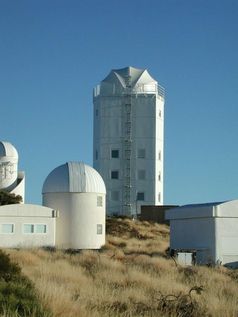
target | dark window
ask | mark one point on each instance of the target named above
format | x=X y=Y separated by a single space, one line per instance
x=141 y=174
x=141 y=153
x=114 y=174
x=141 y=196
x=99 y=201
x=96 y=154
x=115 y=154
x=115 y=195
x=96 y=112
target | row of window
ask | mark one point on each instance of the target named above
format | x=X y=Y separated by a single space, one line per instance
x=140 y=196
x=8 y=228
x=141 y=153
x=27 y=228
x=141 y=175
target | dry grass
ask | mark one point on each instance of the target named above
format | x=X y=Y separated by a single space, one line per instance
x=130 y=276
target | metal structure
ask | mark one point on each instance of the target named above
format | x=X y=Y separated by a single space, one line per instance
x=128 y=139
x=78 y=192
x=11 y=180
x=206 y=231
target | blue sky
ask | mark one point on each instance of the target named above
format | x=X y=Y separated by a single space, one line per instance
x=53 y=52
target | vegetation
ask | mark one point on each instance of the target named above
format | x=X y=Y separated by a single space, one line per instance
x=131 y=276
x=17 y=293
x=8 y=198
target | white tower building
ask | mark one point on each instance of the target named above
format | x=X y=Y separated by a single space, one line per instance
x=11 y=180
x=78 y=192
x=129 y=139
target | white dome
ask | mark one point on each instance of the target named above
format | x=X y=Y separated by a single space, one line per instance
x=7 y=149
x=74 y=177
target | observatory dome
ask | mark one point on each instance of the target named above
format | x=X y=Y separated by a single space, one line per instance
x=74 y=177
x=120 y=80
x=8 y=150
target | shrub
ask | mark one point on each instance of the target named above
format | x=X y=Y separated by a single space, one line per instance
x=17 y=294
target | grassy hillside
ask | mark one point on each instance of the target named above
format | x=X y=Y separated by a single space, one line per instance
x=130 y=276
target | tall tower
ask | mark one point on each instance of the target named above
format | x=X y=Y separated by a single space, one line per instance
x=129 y=139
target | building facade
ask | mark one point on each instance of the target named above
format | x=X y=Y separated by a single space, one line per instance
x=27 y=226
x=129 y=139
x=206 y=231
x=78 y=192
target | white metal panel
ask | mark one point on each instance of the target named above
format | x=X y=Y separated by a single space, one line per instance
x=191 y=211
x=74 y=177
x=20 y=214
x=228 y=209
x=7 y=149
x=25 y=210
x=79 y=216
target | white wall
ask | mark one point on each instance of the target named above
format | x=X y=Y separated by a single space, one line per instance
x=19 y=188
x=194 y=233
x=79 y=216
x=147 y=133
x=20 y=214
x=227 y=240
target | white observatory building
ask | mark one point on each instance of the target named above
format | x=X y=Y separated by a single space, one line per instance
x=129 y=139
x=11 y=180
x=78 y=192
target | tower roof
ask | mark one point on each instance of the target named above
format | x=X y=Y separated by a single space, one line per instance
x=128 y=80
x=74 y=177
x=7 y=149
x=129 y=76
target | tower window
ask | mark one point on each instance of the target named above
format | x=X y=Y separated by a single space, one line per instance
x=99 y=228
x=159 y=197
x=141 y=196
x=115 y=153
x=141 y=153
x=141 y=174
x=159 y=177
x=115 y=195
x=99 y=201
x=96 y=154
x=159 y=155
x=96 y=112
x=114 y=174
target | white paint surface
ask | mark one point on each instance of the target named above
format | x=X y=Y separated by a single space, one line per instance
x=211 y=229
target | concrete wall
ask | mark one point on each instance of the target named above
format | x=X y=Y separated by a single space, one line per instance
x=147 y=133
x=19 y=215
x=79 y=217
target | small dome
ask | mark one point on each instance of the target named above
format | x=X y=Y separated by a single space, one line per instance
x=74 y=177
x=7 y=149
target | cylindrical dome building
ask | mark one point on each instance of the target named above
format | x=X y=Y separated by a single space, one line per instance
x=128 y=139
x=78 y=192
x=11 y=180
